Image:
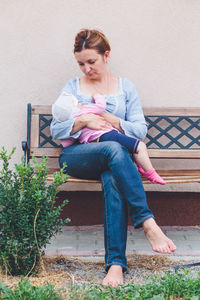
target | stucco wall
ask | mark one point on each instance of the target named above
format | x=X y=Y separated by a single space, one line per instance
x=155 y=43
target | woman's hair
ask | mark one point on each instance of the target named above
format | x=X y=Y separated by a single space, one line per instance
x=91 y=39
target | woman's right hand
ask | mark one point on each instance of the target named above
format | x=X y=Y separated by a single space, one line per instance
x=95 y=122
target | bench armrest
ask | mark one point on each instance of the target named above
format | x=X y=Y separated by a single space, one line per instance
x=26 y=151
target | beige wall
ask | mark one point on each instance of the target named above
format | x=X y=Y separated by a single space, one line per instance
x=155 y=43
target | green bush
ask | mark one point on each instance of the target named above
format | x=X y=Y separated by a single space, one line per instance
x=26 y=291
x=28 y=216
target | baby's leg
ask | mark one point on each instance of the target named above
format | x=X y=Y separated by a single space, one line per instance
x=142 y=158
x=144 y=164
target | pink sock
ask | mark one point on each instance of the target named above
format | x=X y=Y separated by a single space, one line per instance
x=152 y=175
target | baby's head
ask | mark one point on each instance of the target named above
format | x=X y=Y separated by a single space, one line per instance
x=64 y=107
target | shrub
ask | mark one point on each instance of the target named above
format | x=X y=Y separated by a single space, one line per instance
x=28 y=216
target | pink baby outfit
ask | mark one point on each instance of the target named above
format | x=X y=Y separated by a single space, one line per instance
x=87 y=135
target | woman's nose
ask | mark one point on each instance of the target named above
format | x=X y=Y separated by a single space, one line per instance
x=87 y=69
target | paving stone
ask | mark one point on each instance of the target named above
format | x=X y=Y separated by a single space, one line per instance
x=91 y=241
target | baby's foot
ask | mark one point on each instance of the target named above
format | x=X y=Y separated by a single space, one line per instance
x=114 y=276
x=151 y=175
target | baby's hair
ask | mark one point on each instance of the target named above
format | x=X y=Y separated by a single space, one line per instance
x=91 y=39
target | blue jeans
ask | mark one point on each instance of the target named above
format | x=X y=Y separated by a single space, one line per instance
x=122 y=191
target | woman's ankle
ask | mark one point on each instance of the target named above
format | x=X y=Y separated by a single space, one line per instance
x=149 y=224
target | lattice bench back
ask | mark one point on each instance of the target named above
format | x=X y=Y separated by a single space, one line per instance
x=172 y=132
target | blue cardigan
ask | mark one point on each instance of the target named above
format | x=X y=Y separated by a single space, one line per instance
x=125 y=104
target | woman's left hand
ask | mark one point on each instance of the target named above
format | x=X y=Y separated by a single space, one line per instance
x=113 y=120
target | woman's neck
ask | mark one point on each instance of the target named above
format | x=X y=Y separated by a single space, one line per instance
x=105 y=84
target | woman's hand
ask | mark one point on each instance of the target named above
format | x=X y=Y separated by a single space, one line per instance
x=113 y=120
x=96 y=122
x=91 y=121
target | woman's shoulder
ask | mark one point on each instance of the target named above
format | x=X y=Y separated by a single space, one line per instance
x=127 y=85
x=70 y=85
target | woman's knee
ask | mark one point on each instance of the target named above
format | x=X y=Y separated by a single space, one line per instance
x=115 y=150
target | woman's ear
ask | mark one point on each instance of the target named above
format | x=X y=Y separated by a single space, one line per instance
x=106 y=55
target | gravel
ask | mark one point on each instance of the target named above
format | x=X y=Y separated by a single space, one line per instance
x=140 y=268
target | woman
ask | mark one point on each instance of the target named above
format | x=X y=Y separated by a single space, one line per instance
x=121 y=183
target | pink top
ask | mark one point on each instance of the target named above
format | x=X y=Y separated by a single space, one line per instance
x=87 y=135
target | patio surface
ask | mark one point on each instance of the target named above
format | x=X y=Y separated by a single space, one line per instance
x=87 y=241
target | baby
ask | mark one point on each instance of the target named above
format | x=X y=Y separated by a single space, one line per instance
x=67 y=107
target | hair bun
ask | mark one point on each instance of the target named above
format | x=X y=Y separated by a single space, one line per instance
x=91 y=39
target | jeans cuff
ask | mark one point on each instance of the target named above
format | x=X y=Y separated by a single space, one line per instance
x=138 y=224
x=124 y=267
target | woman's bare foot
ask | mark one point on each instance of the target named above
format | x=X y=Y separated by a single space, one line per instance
x=114 y=276
x=157 y=239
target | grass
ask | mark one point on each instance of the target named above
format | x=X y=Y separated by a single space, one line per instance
x=178 y=285
x=170 y=286
x=25 y=291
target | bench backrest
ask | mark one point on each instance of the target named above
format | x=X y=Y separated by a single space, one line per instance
x=172 y=132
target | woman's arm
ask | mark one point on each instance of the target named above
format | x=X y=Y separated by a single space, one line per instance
x=134 y=124
x=62 y=130
x=72 y=128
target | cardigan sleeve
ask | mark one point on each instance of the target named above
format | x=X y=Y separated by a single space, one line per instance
x=134 y=124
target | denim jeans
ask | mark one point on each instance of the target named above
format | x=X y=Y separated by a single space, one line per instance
x=122 y=191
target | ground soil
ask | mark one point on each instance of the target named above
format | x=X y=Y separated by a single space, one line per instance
x=63 y=271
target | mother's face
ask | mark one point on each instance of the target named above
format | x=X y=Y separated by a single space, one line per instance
x=91 y=63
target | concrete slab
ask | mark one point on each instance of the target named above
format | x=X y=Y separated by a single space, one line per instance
x=89 y=241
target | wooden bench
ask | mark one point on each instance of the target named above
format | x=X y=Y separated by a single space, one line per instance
x=173 y=133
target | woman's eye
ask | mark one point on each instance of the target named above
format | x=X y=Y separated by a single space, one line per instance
x=92 y=62
x=81 y=64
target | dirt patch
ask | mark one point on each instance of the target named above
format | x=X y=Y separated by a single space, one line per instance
x=61 y=271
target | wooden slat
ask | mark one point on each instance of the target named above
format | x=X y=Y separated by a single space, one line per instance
x=153 y=153
x=34 y=131
x=76 y=180
x=41 y=109
x=161 y=172
x=156 y=111
x=39 y=152
x=173 y=153
x=180 y=172
x=171 y=179
x=172 y=111
x=170 y=176
x=177 y=180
